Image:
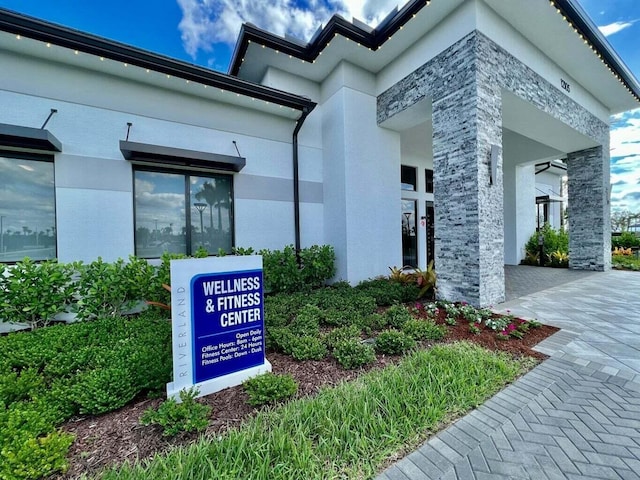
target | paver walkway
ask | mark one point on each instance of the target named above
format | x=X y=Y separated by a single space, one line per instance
x=575 y=416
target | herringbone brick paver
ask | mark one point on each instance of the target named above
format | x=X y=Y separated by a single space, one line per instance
x=576 y=415
x=558 y=433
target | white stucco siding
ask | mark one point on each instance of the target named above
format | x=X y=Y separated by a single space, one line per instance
x=362 y=178
x=449 y=30
x=519 y=208
x=94 y=183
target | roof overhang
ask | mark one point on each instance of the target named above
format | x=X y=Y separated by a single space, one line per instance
x=584 y=52
x=28 y=138
x=156 y=154
x=123 y=60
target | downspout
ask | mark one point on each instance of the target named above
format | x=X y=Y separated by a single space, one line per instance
x=296 y=178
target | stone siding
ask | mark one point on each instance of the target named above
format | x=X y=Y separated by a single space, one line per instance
x=465 y=83
x=589 y=209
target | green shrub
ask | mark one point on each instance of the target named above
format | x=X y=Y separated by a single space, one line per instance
x=352 y=353
x=306 y=348
x=625 y=240
x=372 y=323
x=279 y=309
x=278 y=338
x=393 y=342
x=554 y=240
x=340 y=334
x=30 y=448
x=625 y=262
x=283 y=274
x=424 y=330
x=344 y=307
x=109 y=288
x=174 y=417
x=386 y=292
x=397 y=316
x=103 y=390
x=307 y=322
x=33 y=293
x=318 y=265
x=269 y=388
x=15 y=387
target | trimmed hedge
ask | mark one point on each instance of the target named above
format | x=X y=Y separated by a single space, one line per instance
x=50 y=374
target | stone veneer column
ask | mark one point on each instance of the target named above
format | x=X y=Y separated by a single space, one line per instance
x=469 y=229
x=589 y=209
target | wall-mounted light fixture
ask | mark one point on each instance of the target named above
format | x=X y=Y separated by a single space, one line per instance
x=493 y=164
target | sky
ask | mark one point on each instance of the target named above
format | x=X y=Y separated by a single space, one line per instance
x=204 y=32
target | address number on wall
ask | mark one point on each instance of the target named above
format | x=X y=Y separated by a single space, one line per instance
x=565 y=85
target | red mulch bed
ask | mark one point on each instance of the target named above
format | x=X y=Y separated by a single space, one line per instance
x=116 y=437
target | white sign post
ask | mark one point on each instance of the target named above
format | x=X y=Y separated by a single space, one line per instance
x=217 y=319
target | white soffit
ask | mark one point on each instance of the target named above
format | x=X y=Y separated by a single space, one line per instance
x=258 y=58
x=540 y=23
x=56 y=54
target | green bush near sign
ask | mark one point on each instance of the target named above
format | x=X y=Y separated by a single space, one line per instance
x=174 y=417
x=104 y=288
x=269 y=388
x=50 y=374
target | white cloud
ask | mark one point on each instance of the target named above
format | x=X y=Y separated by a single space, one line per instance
x=206 y=22
x=625 y=166
x=615 y=27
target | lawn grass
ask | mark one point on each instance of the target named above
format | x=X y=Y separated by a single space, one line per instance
x=348 y=431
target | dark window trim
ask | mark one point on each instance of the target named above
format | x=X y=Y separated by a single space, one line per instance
x=415 y=178
x=428 y=182
x=16 y=136
x=144 y=152
x=37 y=157
x=186 y=174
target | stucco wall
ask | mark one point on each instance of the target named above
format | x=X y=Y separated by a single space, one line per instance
x=94 y=184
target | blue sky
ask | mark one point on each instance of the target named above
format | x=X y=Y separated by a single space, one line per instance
x=204 y=32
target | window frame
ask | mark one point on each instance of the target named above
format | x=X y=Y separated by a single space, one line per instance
x=36 y=157
x=415 y=178
x=428 y=182
x=187 y=174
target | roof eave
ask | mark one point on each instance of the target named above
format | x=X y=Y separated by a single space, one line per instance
x=29 y=27
x=376 y=38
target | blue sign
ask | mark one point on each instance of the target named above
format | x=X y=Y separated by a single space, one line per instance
x=227 y=316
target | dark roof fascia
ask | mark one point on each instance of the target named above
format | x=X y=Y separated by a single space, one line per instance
x=336 y=25
x=580 y=20
x=30 y=27
x=375 y=38
x=144 y=152
x=16 y=136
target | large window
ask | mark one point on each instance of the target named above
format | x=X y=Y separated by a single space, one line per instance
x=178 y=212
x=27 y=207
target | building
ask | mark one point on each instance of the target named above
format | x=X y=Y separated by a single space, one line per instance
x=416 y=140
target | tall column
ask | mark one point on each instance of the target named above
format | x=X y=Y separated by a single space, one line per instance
x=469 y=230
x=589 y=209
x=361 y=178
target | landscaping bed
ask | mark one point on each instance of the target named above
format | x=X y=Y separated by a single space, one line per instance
x=116 y=437
x=81 y=398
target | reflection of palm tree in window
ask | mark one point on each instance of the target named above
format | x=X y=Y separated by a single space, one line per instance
x=214 y=196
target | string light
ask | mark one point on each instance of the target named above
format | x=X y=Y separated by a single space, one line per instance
x=593 y=48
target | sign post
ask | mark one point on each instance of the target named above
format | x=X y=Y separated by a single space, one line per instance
x=217 y=316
